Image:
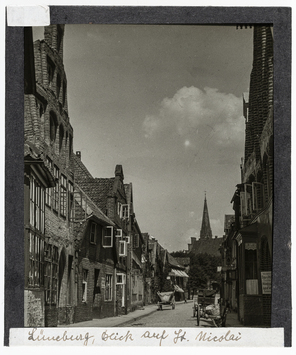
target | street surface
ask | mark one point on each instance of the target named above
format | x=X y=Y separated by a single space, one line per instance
x=181 y=316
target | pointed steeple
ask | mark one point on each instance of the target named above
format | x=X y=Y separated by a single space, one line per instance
x=205 y=232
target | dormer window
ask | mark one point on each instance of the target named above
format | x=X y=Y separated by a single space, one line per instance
x=125 y=211
x=108 y=237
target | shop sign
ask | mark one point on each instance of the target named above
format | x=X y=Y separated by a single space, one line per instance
x=266 y=282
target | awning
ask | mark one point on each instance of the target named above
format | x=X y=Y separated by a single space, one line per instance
x=178 y=289
x=178 y=273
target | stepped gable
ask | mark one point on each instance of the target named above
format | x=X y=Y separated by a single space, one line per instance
x=206 y=231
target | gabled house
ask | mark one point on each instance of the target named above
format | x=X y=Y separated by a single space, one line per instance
x=109 y=196
x=135 y=256
x=95 y=250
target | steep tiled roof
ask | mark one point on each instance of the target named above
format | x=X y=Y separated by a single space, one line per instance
x=81 y=172
x=173 y=262
x=183 y=261
x=207 y=246
x=98 y=190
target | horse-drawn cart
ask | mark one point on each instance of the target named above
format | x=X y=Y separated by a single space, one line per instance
x=166 y=299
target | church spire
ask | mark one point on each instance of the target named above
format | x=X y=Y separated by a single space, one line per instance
x=205 y=232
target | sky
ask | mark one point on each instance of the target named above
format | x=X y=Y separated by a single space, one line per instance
x=165 y=102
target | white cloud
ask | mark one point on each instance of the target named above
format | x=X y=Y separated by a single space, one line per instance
x=192 y=109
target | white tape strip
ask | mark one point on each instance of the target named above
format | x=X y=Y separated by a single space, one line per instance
x=22 y=16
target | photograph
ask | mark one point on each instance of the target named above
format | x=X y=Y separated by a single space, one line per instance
x=153 y=179
x=148 y=175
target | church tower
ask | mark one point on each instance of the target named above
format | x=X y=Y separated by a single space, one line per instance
x=205 y=232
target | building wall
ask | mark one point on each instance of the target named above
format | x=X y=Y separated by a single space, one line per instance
x=95 y=305
x=47 y=127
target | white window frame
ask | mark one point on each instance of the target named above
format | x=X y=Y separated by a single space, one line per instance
x=122 y=244
x=119 y=205
x=125 y=211
x=127 y=239
x=120 y=279
x=118 y=233
x=107 y=245
x=84 y=284
x=110 y=287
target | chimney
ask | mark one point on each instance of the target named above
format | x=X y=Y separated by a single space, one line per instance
x=78 y=154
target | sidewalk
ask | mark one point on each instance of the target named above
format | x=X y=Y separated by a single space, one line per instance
x=118 y=321
x=232 y=320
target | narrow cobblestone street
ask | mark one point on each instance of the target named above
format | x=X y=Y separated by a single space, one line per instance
x=181 y=316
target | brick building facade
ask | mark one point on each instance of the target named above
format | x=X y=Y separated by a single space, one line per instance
x=247 y=249
x=48 y=129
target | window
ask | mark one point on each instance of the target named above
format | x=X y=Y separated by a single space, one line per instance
x=51 y=258
x=128 y=239
x=55 y=193
x=121 y=279
x=258 y=196
x=61 y=137
x=246 y=201
x=251 y=268
x=50 y=69
x=59 y=84
x=84 y=285
x=70 y=200
x=36 y=252
x=59 y=37
x=125 y=211
x=108 y=237
x=53 y=126
x=92 y=237
x=119 y=209
x=136 y=241
x=118 y=233
x=63 y=198
x=48 y=190
x=64 y=92
x=108 y=288
x=70 y=145
x=122 y=248
x=36 y=204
